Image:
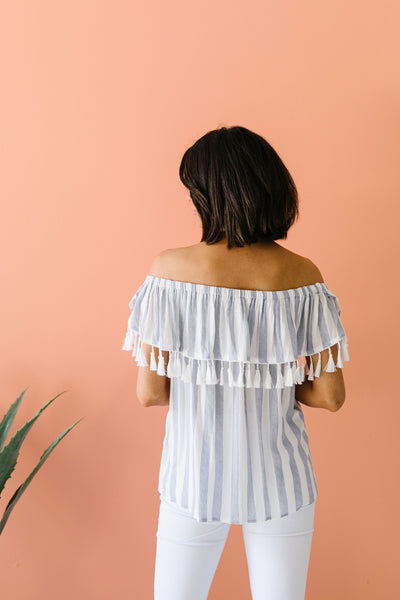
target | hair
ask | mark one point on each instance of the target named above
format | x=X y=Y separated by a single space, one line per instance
x=240 y=187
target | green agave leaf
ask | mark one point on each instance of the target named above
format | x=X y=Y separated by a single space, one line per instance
x=9 y=454
x=8 y=419
x=13 y=500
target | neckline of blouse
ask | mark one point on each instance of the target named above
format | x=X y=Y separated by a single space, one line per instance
x=203 y=287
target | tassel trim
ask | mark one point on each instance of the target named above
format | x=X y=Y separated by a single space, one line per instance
x=233 y=373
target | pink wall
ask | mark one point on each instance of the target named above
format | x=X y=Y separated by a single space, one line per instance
x=99 y=101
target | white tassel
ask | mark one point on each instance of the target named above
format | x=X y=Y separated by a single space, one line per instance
x=186 y=369
x=257 y=377
x=178 y=364
x=153 y=362
x=288 y=375
x=222 y=374
x=279 y=380
x=171 y=368
x=171 y=365
x=198 y=378
x=203 y=370
x=213 y=376
x=248 y=375
x=183 y=368
x=302 y=369
x=239 y=378
x=297 y=375
x=318 y=367
x=128 y=340
x=339 y=357
x=135 y=343
x=230 y=375
x=293 y=369
x=311 y=370
x=330 y=367
x=345 y=350
x=141 y=357
x=208 y=373
x=161 y=367
x=268 y=379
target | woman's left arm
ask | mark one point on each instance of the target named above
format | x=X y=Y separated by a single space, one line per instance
x=153 y=389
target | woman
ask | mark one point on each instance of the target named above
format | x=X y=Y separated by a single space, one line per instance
x=233 y=333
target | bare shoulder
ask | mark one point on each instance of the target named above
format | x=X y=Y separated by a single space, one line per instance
x=297 y=270
x=310 y=271
x=286 y=268
x=165 y=262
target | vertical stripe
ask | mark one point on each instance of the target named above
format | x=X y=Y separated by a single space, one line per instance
x=188 y=402
x=329 y=325
x=197 y=446
x=255 y=335
x=303 y=451
x=270 y=317
x=291 y=320
x=303 y=324
x=193 y=410
x=205 y=452
x=257 y=475
x=228 y=337
x=268 y=485
x=235 y=456
x=268 y=441
x=219 y=458
x=172 y=470
x=251 y=508
x=210 y=319
x=196 y=324
x=181 y=446
x=293 y=431
x=278 y=452
x=294 y=493
x=212 y=457
x=164 y=456
x=242 y=459
x=218 y=325
x=314 y=336
x=313 y=491
x=279 y=332
x=227 y=453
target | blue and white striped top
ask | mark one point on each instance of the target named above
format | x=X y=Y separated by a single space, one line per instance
x=236 y=446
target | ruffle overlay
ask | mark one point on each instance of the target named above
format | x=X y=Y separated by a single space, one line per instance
x=245 y=338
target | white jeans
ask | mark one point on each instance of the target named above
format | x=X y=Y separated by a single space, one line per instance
x=188 y=553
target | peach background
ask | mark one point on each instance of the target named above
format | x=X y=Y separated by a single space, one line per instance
x=99 y=101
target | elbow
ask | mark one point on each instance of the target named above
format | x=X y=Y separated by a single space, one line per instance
x=143 y=398
x=336 y=404
x=146 y=401
x=143 y=401
x=335 y=397
x=153 y=401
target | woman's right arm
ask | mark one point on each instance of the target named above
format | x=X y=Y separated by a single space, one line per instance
x=325 y=391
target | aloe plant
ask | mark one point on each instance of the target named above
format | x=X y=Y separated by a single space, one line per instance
x=9 y=453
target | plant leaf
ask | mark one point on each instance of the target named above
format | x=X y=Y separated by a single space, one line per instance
x=8 y=419
x=13 y=500
x=9 y=454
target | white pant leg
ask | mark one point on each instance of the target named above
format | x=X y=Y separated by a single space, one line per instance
x=187 y=554
x=278 y=553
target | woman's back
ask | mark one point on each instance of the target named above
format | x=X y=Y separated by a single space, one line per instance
x=233 y=324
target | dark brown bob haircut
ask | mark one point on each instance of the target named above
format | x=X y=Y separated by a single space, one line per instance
x=240 y=187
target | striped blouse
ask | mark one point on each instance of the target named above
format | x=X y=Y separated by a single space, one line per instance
x=236 y=447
